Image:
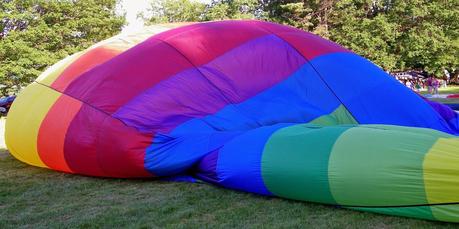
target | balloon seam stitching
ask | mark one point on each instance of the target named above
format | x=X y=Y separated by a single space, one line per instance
x=309 y=62
x=85 y=103
x=402 y=206
x=202 y=74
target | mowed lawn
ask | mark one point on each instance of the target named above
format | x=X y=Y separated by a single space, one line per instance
x=32 y=197
x=448 y=90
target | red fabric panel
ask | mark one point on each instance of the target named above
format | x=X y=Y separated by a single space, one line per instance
x=85 y=62
x=51 y=136
x=112 y=84
x=99 y=145
x=121 y=150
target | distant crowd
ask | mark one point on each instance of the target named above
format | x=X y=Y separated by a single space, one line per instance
x=431 y=84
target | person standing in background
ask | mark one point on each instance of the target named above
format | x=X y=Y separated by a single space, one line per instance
x=447 y=75
x=435 y=85
x=429 y=84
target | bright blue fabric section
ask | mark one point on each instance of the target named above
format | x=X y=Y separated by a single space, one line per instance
x=374 y=97
x=239 y=161
x=169 y=155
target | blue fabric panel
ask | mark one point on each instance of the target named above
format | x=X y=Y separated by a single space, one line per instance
x=239 y=161
x=170 y=155
x=374 y=97
x=207 y=167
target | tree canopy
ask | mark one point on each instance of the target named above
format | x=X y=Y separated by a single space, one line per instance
x=396 y=35
x=35 y=34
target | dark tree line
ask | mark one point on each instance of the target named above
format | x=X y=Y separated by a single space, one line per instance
x=396 y=35
x=35 y=34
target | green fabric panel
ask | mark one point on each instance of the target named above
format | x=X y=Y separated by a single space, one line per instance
x=295 y=162
x=448 y=213
x=422 y=212
x=339 y=116
x=380 y=166
x=415 y=130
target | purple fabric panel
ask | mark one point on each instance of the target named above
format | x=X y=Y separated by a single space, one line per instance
x=231 y=78
x=444 y=111
x=207 y=167
x=451 y=117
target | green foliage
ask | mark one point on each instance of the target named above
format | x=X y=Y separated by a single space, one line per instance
x=167 y=11
x=396 y=35
x=164 y=11
x=290 y=13
x=37 y=33
x=233 y=9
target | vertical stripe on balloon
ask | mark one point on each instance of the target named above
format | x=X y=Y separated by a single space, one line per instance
x=121 y=149
x=96 y=144
x=52 y=73
x=441 y=178
x=24 y=120
x=379 y=166
x=295 y=162
x=53 y=130
x=85 y=62
x=80 y=146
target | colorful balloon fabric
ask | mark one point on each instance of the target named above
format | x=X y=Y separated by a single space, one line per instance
x=247 y=105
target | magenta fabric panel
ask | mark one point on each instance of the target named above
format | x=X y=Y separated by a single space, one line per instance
x=117 y=81
x=194 y=93
x=308 y=44
x=212 y=39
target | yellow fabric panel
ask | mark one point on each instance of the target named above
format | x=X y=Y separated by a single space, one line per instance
x=24 y=120
x=51 y=74
x=441 y=177
x=123 y=42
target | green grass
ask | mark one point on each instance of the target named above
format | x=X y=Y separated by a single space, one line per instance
x=32 y=197
x=39 y=198
x=448 y=90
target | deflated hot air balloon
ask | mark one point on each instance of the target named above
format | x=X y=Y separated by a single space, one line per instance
x=248 y=105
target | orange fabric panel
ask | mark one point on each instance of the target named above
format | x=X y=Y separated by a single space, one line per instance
x=51 y=136
x=84 y=63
